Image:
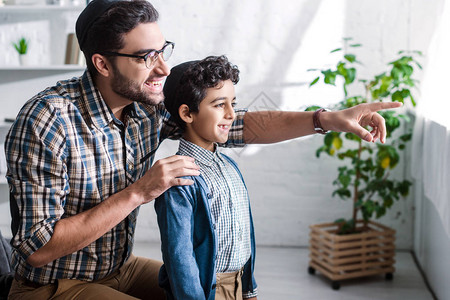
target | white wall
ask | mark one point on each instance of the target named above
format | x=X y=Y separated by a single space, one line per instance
x=274 y=43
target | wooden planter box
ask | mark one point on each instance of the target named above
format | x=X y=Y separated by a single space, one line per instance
x=371 y=251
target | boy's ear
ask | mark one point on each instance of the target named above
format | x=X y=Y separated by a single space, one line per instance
x=185 y=113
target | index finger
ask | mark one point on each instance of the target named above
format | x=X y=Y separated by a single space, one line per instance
x=384 y=105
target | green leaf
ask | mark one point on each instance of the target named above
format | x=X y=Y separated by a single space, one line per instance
x=407 y=70
x=397 y=73
x=351 y=136
x=406 y=137
x=367 y=209
x=320 y=150
x=379 y=173
x=351 y=74
x=387 y=202
x=397 y=97
x=330 y=77
x=314 y=81
x=343 y=193
x=350 y=57
x=21 y=46
x=403 y=187
x=355 y=45
x=329 y=138
x=336 y=50
x=312 y=108
x=344 y=180
x=412 y=100
x=418 y=65
x=380 y=211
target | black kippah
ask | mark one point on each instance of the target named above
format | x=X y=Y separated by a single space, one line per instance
x=93 y=11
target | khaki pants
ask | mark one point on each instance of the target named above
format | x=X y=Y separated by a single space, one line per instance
x=136 y=279
x=229 y=286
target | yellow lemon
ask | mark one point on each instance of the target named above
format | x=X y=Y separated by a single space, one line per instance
x=337 y=143
x=385 y=162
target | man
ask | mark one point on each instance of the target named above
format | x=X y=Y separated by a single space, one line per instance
x=80 y=159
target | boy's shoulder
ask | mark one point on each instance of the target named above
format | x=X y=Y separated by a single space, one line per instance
x=199 y=185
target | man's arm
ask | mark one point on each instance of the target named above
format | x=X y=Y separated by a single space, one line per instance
x=76 y=232
x=275 y=126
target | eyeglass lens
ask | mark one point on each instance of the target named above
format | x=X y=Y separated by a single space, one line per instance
x=166 y=54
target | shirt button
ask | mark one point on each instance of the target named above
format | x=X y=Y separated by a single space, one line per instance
x=209 y=195
x=130 y=167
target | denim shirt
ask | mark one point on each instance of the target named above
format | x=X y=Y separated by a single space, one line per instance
x=189 y=242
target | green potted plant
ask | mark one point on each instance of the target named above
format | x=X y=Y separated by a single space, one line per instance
x=21 y=47
x=366 y=247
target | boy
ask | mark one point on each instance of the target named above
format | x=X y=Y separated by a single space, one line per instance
x=206 y=229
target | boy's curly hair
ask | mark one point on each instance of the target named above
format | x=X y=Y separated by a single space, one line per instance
x=188 y=82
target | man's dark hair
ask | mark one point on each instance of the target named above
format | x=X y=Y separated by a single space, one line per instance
x=106 y=34
x=197 y=76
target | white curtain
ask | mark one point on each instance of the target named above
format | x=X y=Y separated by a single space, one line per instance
x=431 y=143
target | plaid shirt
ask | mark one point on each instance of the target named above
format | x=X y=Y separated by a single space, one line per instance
x=229 y=207
x=66 y=153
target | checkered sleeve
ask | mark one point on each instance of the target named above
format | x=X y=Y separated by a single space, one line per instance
x=36 y=174
x=169 y=128
x=236 y=134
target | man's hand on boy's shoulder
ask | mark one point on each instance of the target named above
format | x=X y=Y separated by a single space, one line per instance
x=164 y=174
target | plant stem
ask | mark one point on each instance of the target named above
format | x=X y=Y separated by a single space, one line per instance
x=355 y=186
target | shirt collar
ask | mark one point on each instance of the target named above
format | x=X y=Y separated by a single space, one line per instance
x=96 y=107
x=200 y=154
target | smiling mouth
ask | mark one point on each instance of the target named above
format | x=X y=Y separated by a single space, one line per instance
x=154 y=83
x=224 y=127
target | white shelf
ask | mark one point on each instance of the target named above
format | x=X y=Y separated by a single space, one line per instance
x=34 y=7
x=43 y=68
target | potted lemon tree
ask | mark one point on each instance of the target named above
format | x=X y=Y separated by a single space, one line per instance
x=355 y=245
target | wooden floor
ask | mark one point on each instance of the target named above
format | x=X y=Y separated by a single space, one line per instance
x=281 y=274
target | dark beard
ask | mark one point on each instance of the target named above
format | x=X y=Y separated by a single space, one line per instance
x=129 y=89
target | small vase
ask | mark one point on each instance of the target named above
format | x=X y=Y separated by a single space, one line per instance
x=24 y=59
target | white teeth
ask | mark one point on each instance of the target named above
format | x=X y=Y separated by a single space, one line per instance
x=154 y=83
x=224 y=126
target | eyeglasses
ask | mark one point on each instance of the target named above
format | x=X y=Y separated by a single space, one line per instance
x=152 y=56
